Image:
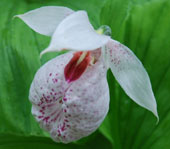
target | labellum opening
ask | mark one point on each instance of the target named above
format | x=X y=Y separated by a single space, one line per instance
x=77 y=65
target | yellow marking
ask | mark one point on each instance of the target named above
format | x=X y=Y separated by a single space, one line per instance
x=100 y=31
x=83 y=55
x=92 y=60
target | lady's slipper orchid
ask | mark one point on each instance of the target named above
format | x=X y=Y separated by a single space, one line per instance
x=70 y=94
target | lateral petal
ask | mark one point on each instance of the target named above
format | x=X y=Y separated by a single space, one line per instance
x=45 y=20
x=131 y=75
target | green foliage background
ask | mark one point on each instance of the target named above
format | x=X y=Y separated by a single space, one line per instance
x=142 y=25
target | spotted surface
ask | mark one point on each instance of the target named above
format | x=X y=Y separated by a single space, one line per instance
x=131 y=75
x=69 y=111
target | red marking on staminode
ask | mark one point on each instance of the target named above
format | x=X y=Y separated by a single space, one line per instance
x=76 y=67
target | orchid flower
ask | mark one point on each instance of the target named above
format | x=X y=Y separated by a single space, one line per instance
x=70 y=94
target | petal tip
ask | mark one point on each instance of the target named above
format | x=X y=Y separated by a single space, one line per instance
x=49 y=49
x=16 y=16
x=44 y=51
x=155 y=112
x=157 y=120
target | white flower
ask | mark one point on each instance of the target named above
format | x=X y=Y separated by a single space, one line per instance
x=70 y=94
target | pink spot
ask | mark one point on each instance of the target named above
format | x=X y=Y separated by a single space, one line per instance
x=65 y=99
x=50 y=74
x=40 y=116
x=66 y=120
x=63 y=127
x=59 y=135
x=52 y=90
x=46 y=119
x=48 y=101
x=68 y=125
x=54 y=80
x=41 y=111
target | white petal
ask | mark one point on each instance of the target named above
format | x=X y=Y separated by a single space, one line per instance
x=131 y=75
x=44 y=20
x=76 y=33
x=85 y=102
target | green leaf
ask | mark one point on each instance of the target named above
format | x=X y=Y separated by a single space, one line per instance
x=27 y=142
x=144 y=26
